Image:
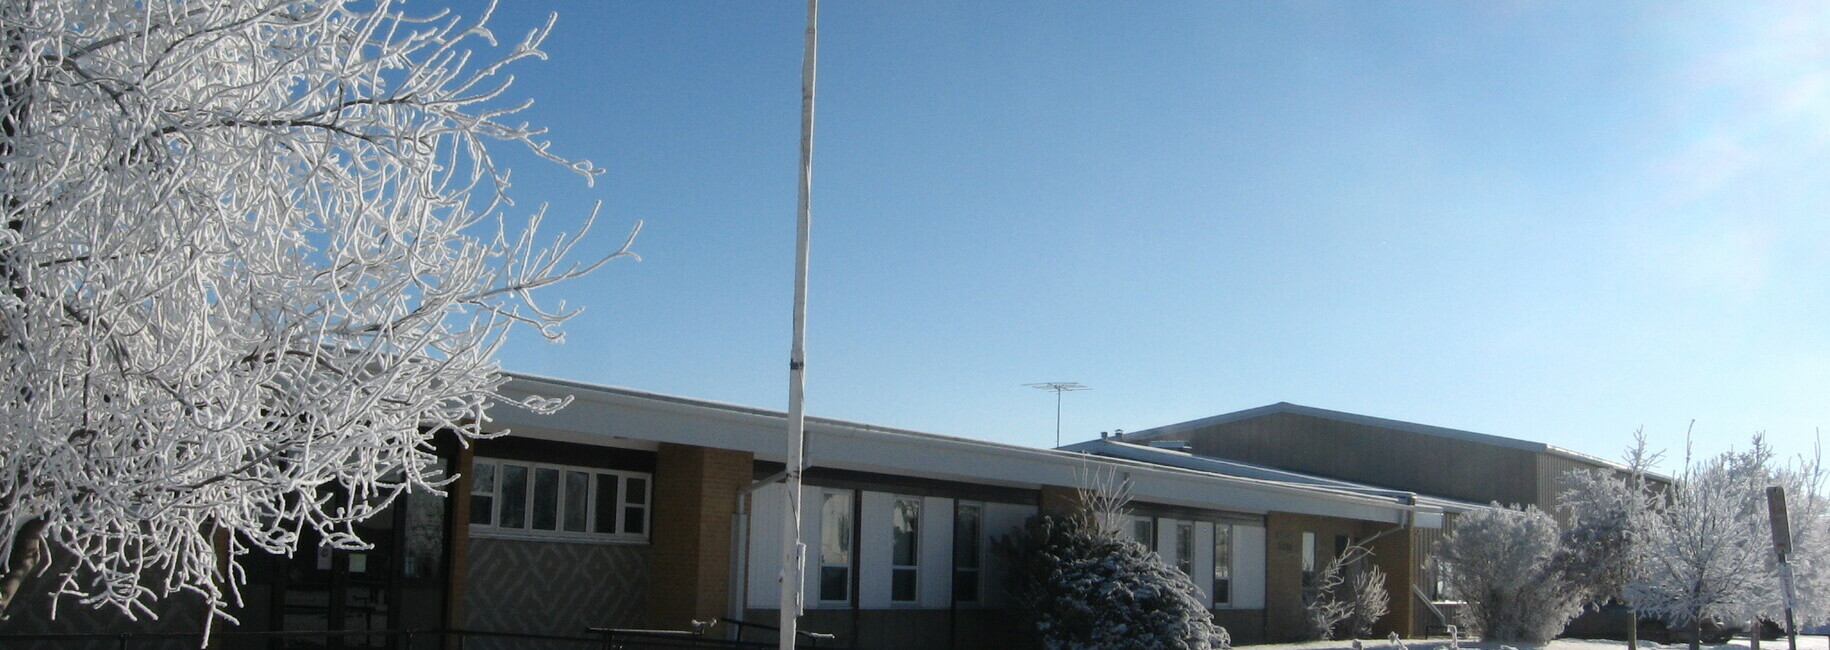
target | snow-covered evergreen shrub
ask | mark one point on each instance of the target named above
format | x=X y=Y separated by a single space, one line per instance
x=1505 y=569
x=1084 y=586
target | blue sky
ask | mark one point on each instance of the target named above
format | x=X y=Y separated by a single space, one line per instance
x=1551 y=221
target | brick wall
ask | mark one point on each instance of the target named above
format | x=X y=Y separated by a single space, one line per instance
x=695 y=497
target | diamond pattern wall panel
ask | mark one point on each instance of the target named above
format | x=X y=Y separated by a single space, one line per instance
x=560 y=588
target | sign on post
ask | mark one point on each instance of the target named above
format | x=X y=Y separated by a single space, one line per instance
x=1776 y=515
x=1782 y=545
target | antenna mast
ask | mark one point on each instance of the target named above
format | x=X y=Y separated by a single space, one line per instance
x=1058 y=387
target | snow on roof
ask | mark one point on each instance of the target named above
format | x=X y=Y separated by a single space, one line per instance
x=1176 y=458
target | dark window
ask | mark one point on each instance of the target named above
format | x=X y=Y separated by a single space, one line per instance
x=483 y=494
x=635 y=506
x=577 y=501
x=1223 y=565
x=546 y=498
x=905 y=540
x=606 y=503
x=835 y=546
x=514 y=496
x=966 y=552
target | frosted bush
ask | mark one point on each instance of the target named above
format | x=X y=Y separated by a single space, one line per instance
x=1504 y=567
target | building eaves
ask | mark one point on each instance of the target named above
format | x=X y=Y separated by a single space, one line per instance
x=880 y=448
x=1177 y=458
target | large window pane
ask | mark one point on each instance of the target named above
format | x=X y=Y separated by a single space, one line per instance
x=902 y=585
x=546 y=498
x=966 y=552
x=1143 y=529
x=635 y=506
x=835 y=546
x=835 y=528
x=1185 y=547
x=906 y=519
x=1223 y=564
x=966 y=537
x=483 y=494
x=514 y=496
x=578 y=500
x=606 y=504
x=905 y=539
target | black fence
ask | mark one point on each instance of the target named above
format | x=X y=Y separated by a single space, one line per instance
x=596 y=639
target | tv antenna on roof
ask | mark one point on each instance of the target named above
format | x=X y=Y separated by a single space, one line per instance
x=1058 y=387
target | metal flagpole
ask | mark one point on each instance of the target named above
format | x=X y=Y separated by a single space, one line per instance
x=794 y=554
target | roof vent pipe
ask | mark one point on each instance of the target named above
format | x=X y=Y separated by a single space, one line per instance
x=1118 y=434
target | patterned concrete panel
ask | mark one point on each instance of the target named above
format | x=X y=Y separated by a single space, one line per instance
x=550 y=587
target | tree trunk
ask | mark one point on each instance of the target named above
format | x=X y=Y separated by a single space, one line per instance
x=28 y=555
x=1696 y=633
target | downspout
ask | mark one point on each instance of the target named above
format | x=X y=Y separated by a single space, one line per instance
x=1408 y=521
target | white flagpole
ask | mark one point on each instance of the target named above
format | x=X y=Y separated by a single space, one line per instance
x=794 y=554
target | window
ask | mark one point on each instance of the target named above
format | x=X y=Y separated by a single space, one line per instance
x=1185 y=547
x=483 y=494
x=516 y=498
x=1223 y=565
x=635 y=505
x=1308 y=551
x=577 y=500
x=835 y=547
x=905 y=538
x=546 y=499
x=968 y=521
x=1143 y=529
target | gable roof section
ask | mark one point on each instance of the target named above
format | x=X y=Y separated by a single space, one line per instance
x=1168 y=431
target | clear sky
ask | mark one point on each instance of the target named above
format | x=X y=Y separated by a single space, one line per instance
x=1550 y=221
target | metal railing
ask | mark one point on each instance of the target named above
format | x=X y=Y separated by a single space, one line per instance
x=427 y=639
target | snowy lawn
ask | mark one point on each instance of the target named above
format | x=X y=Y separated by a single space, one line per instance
x=1804 y=643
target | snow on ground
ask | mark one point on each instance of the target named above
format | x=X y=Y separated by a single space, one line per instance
x=1804 y=643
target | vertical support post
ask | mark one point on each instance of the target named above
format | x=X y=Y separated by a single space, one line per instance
x=793 y=551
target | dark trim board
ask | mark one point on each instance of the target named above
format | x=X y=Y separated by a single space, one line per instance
x=534 y=450
x=914 y=486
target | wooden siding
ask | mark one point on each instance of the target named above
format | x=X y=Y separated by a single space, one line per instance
x=1551 y=468
x=1403 y=460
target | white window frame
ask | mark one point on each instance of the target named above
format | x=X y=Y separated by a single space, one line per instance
x=978 y=546
x=914 y=548
x=623 y=505
x=1223 y=566
x=851 y=514
x=1184 y=555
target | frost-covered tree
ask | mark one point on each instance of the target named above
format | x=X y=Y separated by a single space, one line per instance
x=1709 y=556
x=1503 y=564
x=1810 y=527
x=1350 y=597
x=1609 y=514
x=254 y=255
x=1083 y=584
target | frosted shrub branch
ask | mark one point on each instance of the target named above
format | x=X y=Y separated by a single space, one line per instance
x=252 y=250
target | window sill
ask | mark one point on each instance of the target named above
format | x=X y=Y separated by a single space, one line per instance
x=543 y=536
